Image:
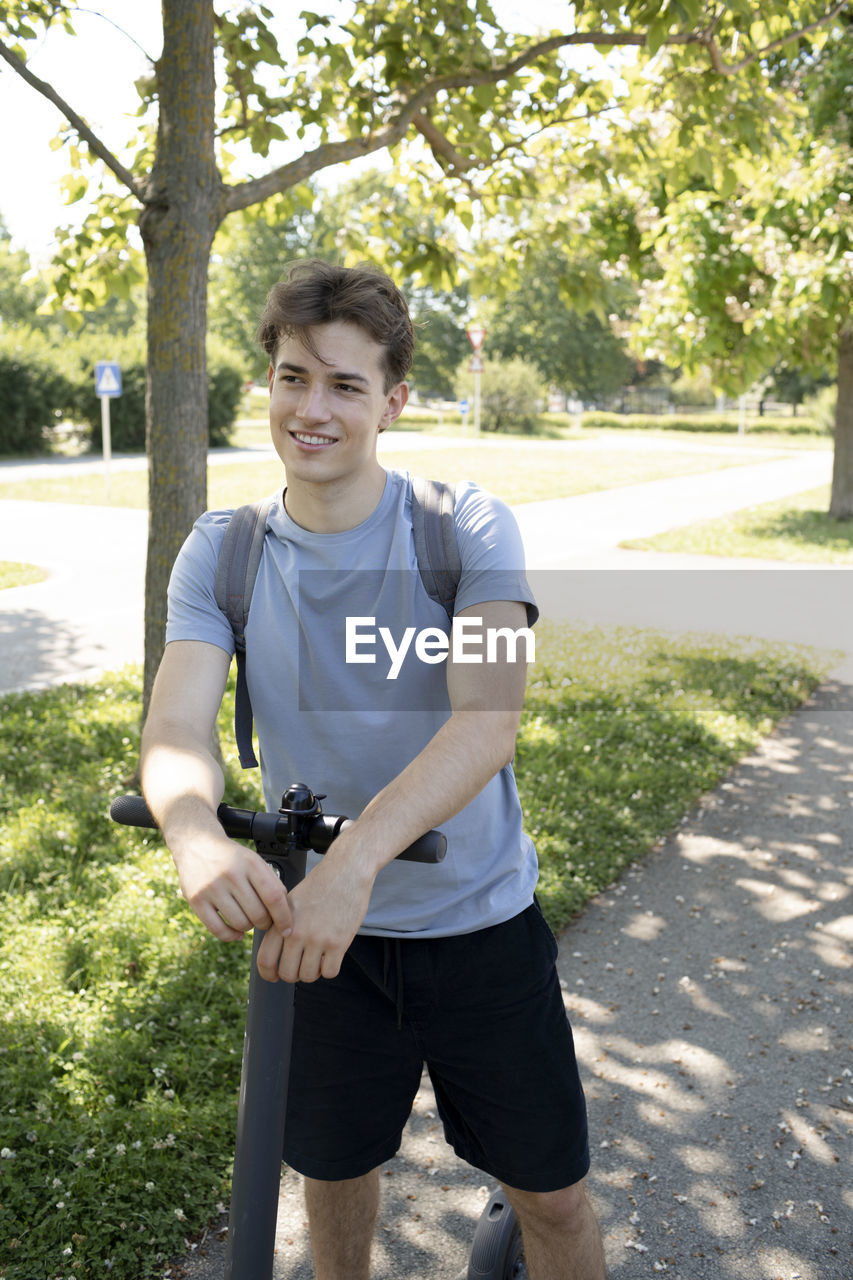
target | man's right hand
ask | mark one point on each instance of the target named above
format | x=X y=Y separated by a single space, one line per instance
x=230 y=888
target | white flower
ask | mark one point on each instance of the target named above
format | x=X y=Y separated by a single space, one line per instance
x=180 y=1215
x=7 y=1154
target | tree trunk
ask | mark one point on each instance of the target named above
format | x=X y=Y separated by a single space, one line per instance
x=841 y=502
x=184 y=206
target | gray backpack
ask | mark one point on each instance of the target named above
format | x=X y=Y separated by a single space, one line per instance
x=240 y=556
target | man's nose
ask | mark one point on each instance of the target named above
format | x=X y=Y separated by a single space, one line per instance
x=313 y=404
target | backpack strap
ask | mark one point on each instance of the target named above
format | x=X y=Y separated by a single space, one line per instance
x=236 y=570
x=436 y=547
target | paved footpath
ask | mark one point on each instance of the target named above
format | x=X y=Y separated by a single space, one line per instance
x=710 y=990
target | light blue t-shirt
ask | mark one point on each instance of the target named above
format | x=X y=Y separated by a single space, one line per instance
x=328 y=716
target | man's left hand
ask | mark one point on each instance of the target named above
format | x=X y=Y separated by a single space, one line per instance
x=328 y=908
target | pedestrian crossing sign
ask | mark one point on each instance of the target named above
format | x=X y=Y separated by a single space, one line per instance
x=107 y=378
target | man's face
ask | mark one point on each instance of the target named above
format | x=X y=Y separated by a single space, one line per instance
x=327 y=410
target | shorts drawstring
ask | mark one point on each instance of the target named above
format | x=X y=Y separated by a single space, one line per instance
x=395 y=951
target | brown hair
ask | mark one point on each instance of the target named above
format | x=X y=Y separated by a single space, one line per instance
x=314 y=293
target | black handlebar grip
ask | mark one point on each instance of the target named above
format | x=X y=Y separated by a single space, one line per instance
x=429 y=848
x=131 y=811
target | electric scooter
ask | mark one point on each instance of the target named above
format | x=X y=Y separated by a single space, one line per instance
x=283 y=839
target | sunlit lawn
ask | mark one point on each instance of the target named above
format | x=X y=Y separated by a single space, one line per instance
x=516 y=469
x=15 y=574
x=797 y=528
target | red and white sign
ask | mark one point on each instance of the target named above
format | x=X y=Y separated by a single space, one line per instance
x=476 y=365
x=476 y=335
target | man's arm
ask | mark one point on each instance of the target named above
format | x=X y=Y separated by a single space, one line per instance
x=230 y=888
x=467 y=751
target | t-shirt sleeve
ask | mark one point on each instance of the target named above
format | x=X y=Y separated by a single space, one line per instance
x=193 y=613
x=491 y=551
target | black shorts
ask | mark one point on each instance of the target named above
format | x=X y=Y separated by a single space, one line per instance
x=485 y=1013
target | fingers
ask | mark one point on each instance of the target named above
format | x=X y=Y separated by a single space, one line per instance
x=327 y=907
x=273 y=897
x=307 y=964
x=293 y=960
x=225 y=918
x=243 y=893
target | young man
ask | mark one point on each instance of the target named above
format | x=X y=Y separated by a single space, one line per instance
x=398 y=964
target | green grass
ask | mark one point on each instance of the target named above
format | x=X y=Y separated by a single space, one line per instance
x=521 y=472
x=121 y=1030
x=15 y=574
x=516 y=469
x=796 y=529
x=623 y=730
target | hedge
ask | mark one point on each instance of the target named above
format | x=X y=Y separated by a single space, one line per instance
x=40 y=387
x=127 y=411
x=722 y=422
x=32 y=399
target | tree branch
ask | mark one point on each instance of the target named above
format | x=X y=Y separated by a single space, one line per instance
x=441 y=146
x=95 y=13
x=77 y=122
x=244 y=194
x=724 y=68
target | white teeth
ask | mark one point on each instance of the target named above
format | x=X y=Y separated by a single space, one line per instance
x=304 y=438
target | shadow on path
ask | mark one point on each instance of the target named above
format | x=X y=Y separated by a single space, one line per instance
x=710 y=992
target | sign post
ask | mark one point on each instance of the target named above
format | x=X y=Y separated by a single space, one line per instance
x=476 y=336
x=107 y=387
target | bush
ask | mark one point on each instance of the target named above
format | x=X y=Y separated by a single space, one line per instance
x=512 y=394
x=225 y=383
x=33 y=396
x=127 y=411
x=722 y=422
x=821 y=409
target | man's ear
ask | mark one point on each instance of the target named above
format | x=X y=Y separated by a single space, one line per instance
x=270 y=375
x=394 y=405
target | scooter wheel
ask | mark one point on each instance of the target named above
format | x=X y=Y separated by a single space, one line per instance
x=496 y=1252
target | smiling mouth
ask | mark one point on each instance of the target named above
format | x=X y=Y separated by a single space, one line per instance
x=311 y=441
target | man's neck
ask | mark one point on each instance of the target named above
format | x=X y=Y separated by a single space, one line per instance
x=335 y=507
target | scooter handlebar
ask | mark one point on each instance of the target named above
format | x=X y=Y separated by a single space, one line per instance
x=250 y=824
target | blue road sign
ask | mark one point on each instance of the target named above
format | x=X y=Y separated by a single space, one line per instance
x=107 y=378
